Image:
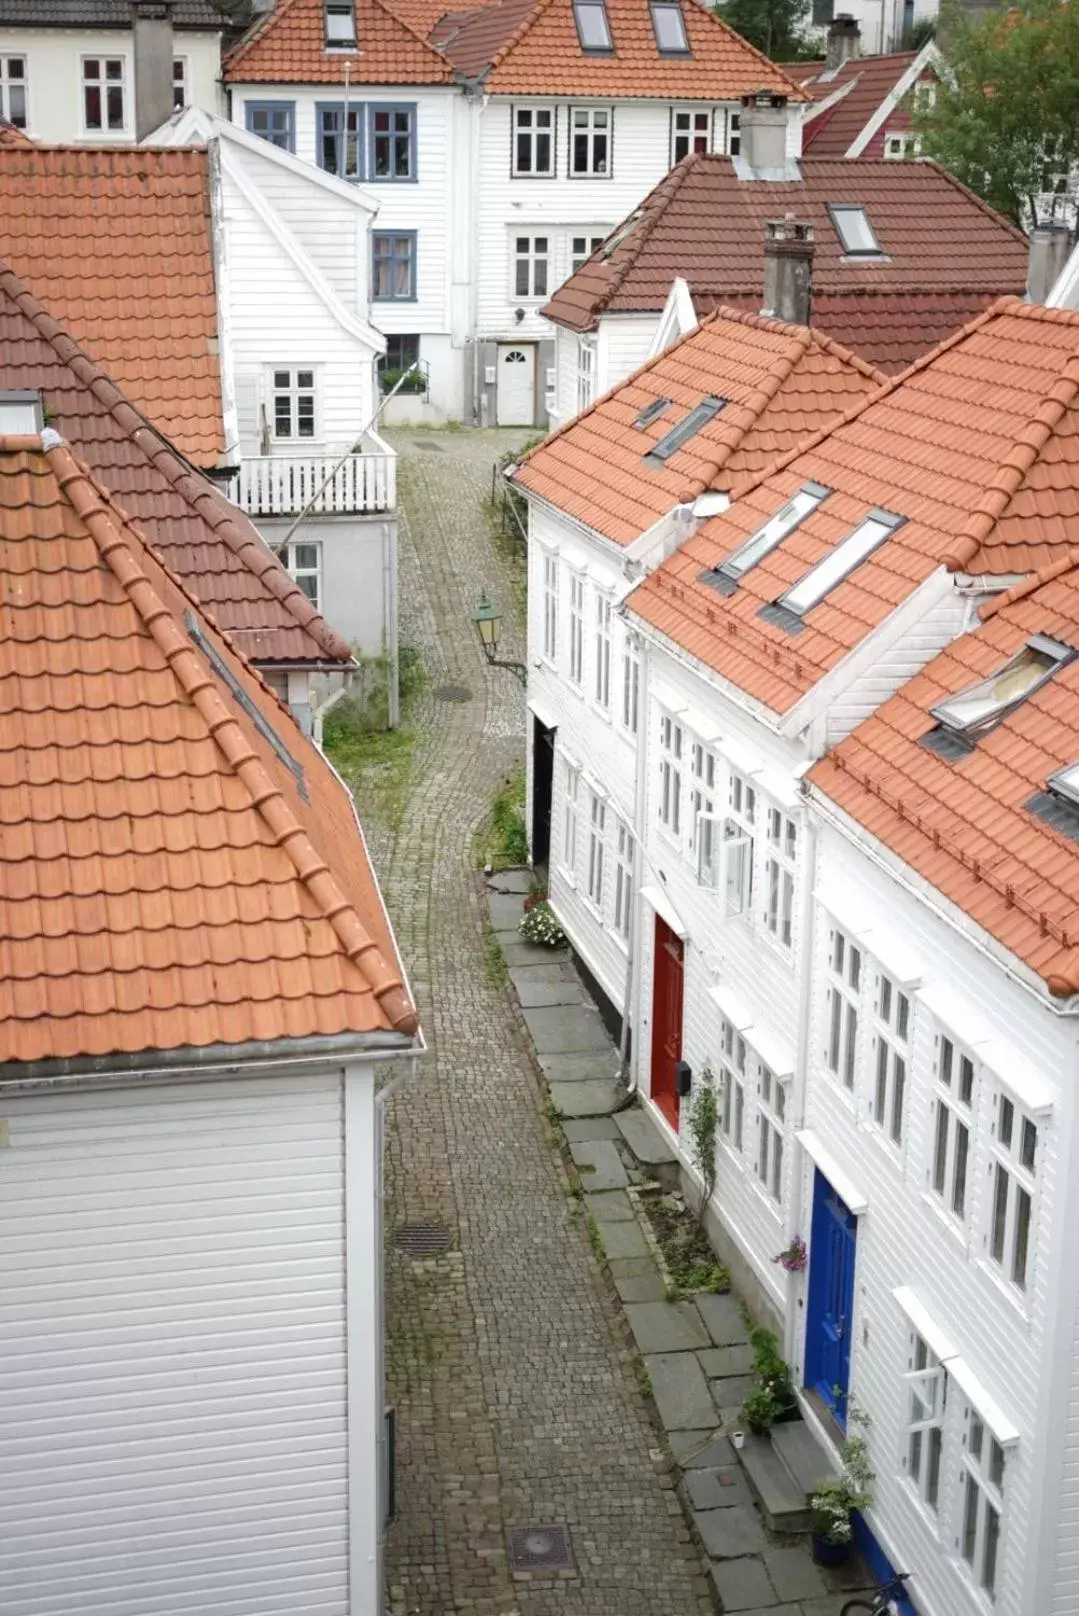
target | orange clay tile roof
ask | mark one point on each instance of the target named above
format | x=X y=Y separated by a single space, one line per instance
x=165 y=880
x=783 y=384
x=522 y=48
x=288 y=46
x=952 y=446
x=212 y=546
x=10 y=136
x=948 y=255
x=867 y=81
x=965 y=826
x=116 y=243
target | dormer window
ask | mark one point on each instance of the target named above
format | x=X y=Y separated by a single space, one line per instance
x=973 y=712
x=669 y=27
x=688 y=427
x=854 y=230
x=593 y=27
x=837 y=565
x=726 y=576
x=340 y=26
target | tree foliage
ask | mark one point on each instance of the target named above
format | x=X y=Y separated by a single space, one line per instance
x=1006 y=118
x=776 y=27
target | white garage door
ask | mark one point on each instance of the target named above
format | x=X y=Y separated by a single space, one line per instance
x=516 y=398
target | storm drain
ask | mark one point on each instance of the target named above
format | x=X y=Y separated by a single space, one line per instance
x=425 y=443
x=423 y=1239
x=541 y=1549
x=455 y=693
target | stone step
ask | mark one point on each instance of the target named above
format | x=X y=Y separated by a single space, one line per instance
x=783 y=1502
x=806 y=1460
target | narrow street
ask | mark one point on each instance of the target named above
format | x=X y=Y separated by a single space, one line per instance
x=515 y=1389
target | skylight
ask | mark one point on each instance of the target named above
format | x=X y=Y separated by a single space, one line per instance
x=20 y=412
x=854 y=230
x=651 y=412
x=976 y=709
x=848 y=554
x=593 y=28
x=1065 y=783
x=774 y=531
x=340 y=24
x=685 y=429
x=669 y=27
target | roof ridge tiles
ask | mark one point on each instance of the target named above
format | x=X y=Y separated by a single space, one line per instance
x=671 y=185
x=527 y=21
x=229 y=737
x=779 y=371
x=1031 y=583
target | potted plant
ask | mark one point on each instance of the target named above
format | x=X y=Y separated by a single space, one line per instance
x=835 y=1501
x=771 y=1399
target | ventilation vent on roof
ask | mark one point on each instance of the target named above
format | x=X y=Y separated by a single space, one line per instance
x=651 y=412
x=965 y=717
x=684 y=429
x=726 y=575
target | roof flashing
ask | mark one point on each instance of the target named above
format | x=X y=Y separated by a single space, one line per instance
x=685 y=429
x=651 y=412
x=240 y=696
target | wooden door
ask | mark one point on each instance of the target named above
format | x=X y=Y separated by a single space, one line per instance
x=666 y=1018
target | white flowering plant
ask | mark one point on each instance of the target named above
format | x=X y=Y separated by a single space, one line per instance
x=538 y=925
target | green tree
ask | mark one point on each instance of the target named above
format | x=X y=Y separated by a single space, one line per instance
x=1006 y=116
x=776 y=27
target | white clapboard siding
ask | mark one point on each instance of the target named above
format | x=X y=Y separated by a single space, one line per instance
x=622 y=347
x=172 y=1351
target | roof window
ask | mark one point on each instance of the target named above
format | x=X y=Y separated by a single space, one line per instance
x=1065 y=783
x=838 y=564
x=593 y=27
x=854 y=230
x=340 y=25
x=651 y=412
x=971 y=713
x=20 y=413
x=1058 y=805
x=725 y=577
x=683 y=430
x=669 y=27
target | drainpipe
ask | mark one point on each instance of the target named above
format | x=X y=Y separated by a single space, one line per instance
x=318 y=713
x=631 y=1015
x=792 y=1332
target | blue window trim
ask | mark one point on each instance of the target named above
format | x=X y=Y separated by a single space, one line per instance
x=251 y=107
x=390 y=297
x=360 y=109
x=391 y=106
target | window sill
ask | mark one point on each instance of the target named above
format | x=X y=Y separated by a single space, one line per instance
x=593 y=909
x=568 y=877
x=784 y=952
x=620 y=942
x=538 y=174
x=1015 y=1298
x=926 y=1515
x=840 y=1091
x=886 y=1144
x=602 y=713
x=765 y=1197
x=946 y=1222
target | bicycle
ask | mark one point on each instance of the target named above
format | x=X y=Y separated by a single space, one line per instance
x=882 y=1599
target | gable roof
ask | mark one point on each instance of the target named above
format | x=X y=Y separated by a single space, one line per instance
x=971 y=827
x=116 y=243
x=850 y=98
x=948 y=255
x=782 y=383
x=180 y=865
x=207 y=541
x=976 y=447
x=288 y=46
x=200 y=14
x=530 y=47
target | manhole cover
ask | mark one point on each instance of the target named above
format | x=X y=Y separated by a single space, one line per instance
x=540 y=1548
x=425 y=443
x=423 y=1239
x=456 y=693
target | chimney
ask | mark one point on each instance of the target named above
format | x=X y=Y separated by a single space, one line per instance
x=788 y=269
x=844 y=42
x=1050 y=245
x=152 y=20
x=763 y=132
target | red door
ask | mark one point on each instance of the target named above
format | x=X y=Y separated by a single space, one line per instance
x=666 y=1019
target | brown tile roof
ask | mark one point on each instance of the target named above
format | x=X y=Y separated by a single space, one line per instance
x=965 y=826
x=969 y=433
x=947 y=253
x=288 y=46
x=210 y=544
x=10 y=136
x=530 y=47
x=783 y=384
x=116 y=243
x=201 y=14
x=168 y=881
x=867 y=82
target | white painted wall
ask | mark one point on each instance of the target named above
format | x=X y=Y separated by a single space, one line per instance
x=54 y=77
x=358 y=574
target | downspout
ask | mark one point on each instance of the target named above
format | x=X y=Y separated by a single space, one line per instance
x=631 y=1016
x=318 y=714
x=801 y=1059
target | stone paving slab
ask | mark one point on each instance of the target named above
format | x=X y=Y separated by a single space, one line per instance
x=682 y=1398
x=578 y=1128
x=599 y=1164
x=715 y=1453
x=599 y=1097
x=723 y=1320
x=644 y=1138
x=831 y=1604
x=505 y=911
x=520 y=881
x=644 y=1287
x=728 y=1534
x=549 y=966
x=684 y=1444
x=743 y=1585
x=775 y=1610
x=624 y=1240
x=611 y=1206
x=545 y=995
x=793 y=1574
x=665 y=1326
x=730 y=1392
x=596 y=1065
x=572 y=1029
x=718 y=1488
x=720 y=1361
x=519 y=951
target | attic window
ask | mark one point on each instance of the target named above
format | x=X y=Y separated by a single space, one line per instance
x=1065 y=783
x=972 y=712
x=669 y=27
x=683 y=430
x=837 y=565
x=20 y=413
x=340 y=26
x=593 y=28
x=854 y=230
x=726 y=575
x=651 y=412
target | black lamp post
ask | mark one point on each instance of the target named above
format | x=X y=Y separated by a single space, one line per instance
x=488 y=621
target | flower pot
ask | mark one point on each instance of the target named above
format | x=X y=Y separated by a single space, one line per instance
x=788 y=1414
x=829 y=1551
x=738 y=1439
x=759 y=1427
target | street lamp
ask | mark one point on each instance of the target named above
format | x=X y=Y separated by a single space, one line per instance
x=488 y=621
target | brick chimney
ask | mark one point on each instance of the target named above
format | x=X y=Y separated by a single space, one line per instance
x=1050 y=245
x=763 y=130
x=152 y=21
x=788 y=269
x=844 y=41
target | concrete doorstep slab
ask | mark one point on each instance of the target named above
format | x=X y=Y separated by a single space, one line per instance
x=570 y=1029
x=644 y=1138
x=599 y=1164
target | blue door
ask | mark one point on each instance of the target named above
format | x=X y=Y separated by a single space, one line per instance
x=831 y=1298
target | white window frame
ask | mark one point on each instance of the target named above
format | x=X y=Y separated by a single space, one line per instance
x=597 y=846
x=576 y=627
x=1013 y=1168
x=952 y=1128
x=296 y=392
x=703 y=819
x=623 y=880
x=631 y=688
x=532 y=132
x=672 y=738
x=10 y=82
x=733 y=133
x=923 y=1431
x=732 y=1098
x=602 y=688
x=772 y=1096
x=535 y=255
x=893 y=1014
x=738 y=846
x=301 y=568
x=579 y=257
x=843 y=1006
x=550 y=605
x=181 y=80
x=596 y=126
x=571 y=783
x=980 y=1512
x=586 y=372
x=780 y=870
x=688 y=126
x=103 y=83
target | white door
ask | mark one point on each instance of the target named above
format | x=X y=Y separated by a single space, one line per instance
x=515 y=403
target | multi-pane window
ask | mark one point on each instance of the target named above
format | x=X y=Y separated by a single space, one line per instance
x=533 y=140
x=926 y=1388
x=13 y=90
x=732 y=1099
x=293 y=404
x=892 y=1053
x=597 y=830
x=394 y=257
x=739 y=830
x=274 y=121
x=339 y=154
x=531 y=260
x=623 y=880
x=1014 y=1162
x=844 y=998
x=631 y=688
x=569 y=818
x=581 y=250
x=103 y=97
x=670 y=774
x=772 y=1109
x=576 y=627
x=734 y=133
x=982 y=1503
x=402 y=354
x=781 y=851
x=586 y=373
x=550 y=607
x=590 y=140
x=603 y=651
x=703 y=812
x=304 y=563
x=690 y=132
x=952 y=1119
x=179 y=82
x=393 y=143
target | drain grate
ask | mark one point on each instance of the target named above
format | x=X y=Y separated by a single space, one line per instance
x=456 y=693
x=541 y=1548
x=425 y=443
x=423 y=1239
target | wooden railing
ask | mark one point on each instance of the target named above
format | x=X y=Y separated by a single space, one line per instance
x=282 y=485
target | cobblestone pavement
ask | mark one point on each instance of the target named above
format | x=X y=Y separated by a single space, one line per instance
x=512 y=1376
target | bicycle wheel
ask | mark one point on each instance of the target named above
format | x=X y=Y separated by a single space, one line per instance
x=859 y=1607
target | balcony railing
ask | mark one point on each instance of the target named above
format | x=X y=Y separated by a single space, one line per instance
x=282 y=485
